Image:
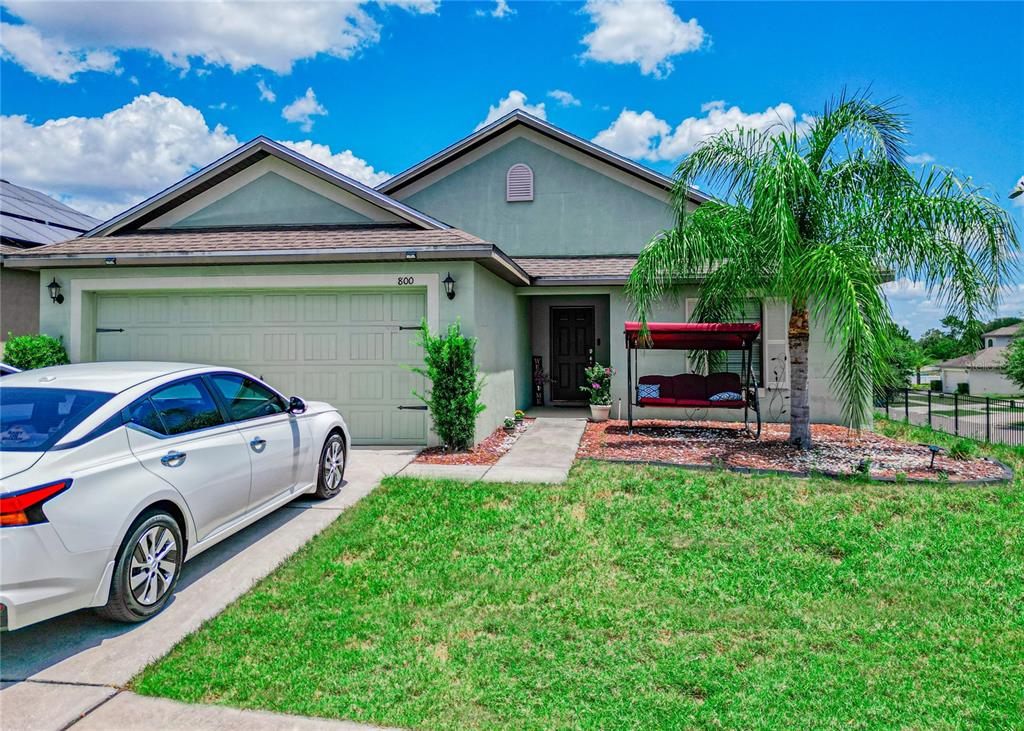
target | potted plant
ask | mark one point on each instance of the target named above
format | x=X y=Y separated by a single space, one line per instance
x=599 y=391
x=510 y=424
x=519 y=416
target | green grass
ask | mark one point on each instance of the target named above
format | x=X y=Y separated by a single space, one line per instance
x=636 y=598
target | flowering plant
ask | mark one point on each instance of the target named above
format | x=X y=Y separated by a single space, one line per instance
x=599 y=384
x=519 y=415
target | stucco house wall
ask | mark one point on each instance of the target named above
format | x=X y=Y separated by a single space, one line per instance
x=575 y=211
x=980 y=381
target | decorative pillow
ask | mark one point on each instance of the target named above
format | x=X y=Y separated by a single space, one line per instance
x=726 y=396
x=648 y=390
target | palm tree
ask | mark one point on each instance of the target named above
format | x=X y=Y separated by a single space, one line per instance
x=822 y=214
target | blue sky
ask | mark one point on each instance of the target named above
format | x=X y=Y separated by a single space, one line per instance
x=106 y=103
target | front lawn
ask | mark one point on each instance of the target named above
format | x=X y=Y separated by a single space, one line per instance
x=636 y=598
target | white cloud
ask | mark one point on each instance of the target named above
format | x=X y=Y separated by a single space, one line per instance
x=501 y=10
x=918 y=310
x=515 y=100
x=49 y=57
x=104 y=165
x=303 y=109
x=632 y=133
x=644 y=135
x=266 y=93
x=645 y=32
x=565 y=98
x=345 y=162
x=62 y=39
x=922 y=159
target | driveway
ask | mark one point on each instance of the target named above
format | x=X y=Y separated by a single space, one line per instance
x=54 y=672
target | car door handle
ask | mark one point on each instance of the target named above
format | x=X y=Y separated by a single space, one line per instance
x=257 y=444
x=173 y=459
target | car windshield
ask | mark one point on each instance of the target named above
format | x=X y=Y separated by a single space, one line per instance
x=34 y=419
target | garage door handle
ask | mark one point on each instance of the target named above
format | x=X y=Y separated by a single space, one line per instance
x=412 y=408
x=410 y=327
x=173 y=459
x=110 y=329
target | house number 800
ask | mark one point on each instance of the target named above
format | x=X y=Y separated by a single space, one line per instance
x=407 y=280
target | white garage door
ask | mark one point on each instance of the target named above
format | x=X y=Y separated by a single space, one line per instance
x=346 y=347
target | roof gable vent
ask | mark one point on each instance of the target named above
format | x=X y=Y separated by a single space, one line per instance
x=519 y=183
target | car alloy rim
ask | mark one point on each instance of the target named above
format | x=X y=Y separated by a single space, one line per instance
x=334 y=465
x=154 y=561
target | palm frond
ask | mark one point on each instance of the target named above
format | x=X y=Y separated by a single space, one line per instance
x=857 y=119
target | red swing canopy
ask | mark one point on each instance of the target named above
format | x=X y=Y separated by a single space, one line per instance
x=692 y=335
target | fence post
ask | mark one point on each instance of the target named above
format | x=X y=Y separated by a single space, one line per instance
x=956 y=413
x=988 y=419
x=887 y=392
x=929 y=408
x=906 y=405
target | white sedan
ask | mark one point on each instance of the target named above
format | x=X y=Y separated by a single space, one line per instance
x=113 y=474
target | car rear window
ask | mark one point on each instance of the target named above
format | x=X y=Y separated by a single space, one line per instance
x=34 y=419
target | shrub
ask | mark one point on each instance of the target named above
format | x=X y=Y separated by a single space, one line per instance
x=599 y=385
x=454 y=396
x=963 y=449
x=34 y=351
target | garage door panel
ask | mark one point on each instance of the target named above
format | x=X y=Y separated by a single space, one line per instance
x=409 y=426
x=236 y=308
x=344 y=347
x=280 y=346
x=198 y=347
x=320 y=307
x=235 y=347
x=197 y=310
x=365 y=308
x=320 y=346
x=280 y=308
x=153 y=311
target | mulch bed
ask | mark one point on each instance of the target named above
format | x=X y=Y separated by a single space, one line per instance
x=488 y=451
x=836 y=450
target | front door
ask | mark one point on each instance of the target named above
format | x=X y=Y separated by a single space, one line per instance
x=572 y=351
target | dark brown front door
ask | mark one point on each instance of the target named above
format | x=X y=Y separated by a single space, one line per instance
x=572 y=351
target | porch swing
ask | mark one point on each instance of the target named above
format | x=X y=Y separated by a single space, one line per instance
x=693 y=390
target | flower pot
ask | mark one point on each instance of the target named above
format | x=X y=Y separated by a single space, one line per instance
x=599 y=413
x=509 y=429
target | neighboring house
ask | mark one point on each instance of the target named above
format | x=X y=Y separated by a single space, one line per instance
x=982 y=370
x=29 y=219
x=271 y=262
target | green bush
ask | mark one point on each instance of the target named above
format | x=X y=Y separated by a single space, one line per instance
x=963 y=449
x=455 y=385
x=34 y=351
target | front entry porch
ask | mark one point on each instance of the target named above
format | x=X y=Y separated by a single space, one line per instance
x=568 y=333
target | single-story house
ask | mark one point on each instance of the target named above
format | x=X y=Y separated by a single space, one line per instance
x=29 y=219
x=982 y=370
x=269 y=261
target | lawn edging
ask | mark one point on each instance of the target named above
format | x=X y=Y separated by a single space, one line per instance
x=1006 y=477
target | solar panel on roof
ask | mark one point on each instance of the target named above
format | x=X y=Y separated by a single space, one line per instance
x=55 y=221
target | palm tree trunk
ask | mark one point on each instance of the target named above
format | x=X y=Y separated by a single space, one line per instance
x=799 y=401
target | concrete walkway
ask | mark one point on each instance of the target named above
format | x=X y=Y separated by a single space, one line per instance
x=544 y=453
x=55 y=672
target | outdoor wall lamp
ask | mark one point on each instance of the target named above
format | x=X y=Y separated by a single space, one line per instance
x=55 y=294
x=449 y=286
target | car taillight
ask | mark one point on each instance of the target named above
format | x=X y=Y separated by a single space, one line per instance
x=25 y=506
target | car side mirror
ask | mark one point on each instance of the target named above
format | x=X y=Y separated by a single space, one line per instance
x=296 y=405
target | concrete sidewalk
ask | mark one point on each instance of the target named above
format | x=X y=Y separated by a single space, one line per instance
x=56 y=671
x=130 y=711
x=544 y=453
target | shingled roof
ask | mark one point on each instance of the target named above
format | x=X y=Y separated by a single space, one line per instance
x=986 y=359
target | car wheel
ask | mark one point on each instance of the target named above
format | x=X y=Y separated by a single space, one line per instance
x=331 y=474
x=146 y=570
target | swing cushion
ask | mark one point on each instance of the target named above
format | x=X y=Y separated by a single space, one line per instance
x=691 y=390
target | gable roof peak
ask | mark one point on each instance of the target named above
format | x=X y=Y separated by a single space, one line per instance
x=544 y=127
x=242 y=157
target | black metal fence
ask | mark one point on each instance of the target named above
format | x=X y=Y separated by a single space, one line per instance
x=976 y=417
